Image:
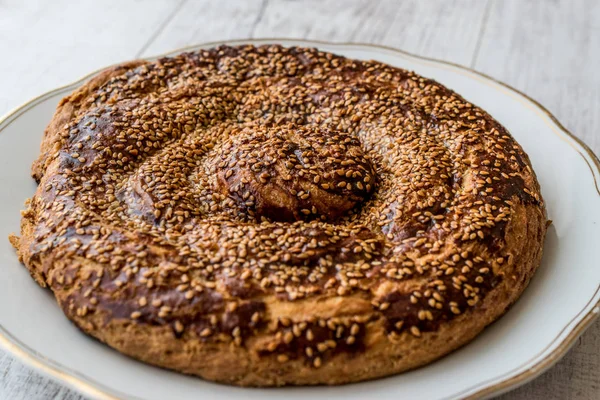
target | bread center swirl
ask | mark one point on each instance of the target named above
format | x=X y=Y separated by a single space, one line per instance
x=292 y=173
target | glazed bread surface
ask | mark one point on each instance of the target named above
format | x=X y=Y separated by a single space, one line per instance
x=267 y=216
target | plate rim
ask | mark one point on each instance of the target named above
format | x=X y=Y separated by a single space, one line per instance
x=87 y=385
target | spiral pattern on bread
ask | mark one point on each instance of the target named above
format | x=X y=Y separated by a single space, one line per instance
x=268 y=216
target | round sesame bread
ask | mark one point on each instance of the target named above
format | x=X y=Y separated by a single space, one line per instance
x=270 y=216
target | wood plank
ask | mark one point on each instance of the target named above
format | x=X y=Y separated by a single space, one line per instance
x=19 y=382
x=549 y=50
x=446 y=29
x=206 y=21
x=51 y=43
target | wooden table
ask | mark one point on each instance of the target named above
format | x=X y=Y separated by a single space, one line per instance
x=548 y=49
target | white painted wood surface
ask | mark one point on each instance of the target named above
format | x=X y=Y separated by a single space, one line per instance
x=548 y=49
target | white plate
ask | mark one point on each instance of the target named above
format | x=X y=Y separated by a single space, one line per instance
x=561 y=301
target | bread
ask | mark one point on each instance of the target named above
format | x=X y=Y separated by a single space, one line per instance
x=267 y=216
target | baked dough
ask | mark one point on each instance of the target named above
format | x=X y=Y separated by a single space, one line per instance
x=267 y=216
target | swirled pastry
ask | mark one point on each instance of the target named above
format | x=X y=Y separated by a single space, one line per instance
x=269 y=216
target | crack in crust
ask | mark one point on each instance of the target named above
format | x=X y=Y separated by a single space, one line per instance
x=269 y=216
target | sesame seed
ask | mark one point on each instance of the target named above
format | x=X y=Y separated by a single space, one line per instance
x=282 y=358
x=135 y=315
x=205 y=332
x=317 y=362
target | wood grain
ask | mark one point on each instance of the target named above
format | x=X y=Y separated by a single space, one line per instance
x=206 y=21
x=46 y=44
x=404 y=24
x=548 y=49
x=551 y=51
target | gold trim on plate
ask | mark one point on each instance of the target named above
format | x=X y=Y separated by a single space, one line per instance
x=88 y=386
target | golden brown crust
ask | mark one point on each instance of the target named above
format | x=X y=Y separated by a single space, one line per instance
x=266 y=216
